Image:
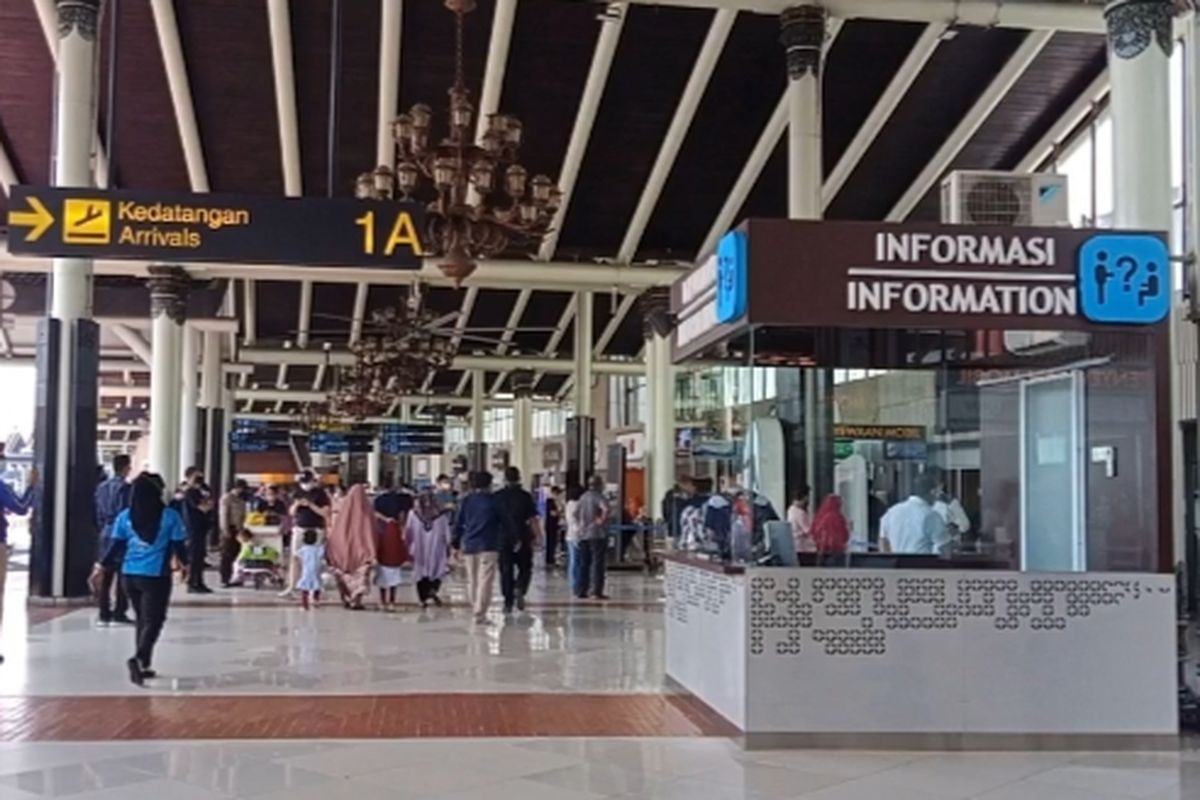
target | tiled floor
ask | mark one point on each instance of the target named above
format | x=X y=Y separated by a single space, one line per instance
x=262 y=700
x=572 y=769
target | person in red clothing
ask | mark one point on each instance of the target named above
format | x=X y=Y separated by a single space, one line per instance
x=829 y=529
x=391 y=553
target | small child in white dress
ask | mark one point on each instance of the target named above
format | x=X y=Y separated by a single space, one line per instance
x=310 y=558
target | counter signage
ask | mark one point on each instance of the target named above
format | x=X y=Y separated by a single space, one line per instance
x=257 y=436
x=258 y=229
x=912 y=433
x=413 y=439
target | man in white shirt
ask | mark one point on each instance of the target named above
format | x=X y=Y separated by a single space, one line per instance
x=912 y=526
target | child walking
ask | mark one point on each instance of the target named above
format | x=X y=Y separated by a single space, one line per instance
x=391 y=554
x=310 y=556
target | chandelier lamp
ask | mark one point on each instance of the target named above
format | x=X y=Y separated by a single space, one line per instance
x=483 y=201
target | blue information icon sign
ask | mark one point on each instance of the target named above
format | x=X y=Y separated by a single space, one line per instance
x=731 y=276
x=1124 y=278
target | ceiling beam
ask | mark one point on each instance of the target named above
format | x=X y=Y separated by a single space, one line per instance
x=510 y=330
x=612 y=20
x=250 y=356
x=417 y=400
x=133 y=341
x=503 y=21
x=888 y=102
x=610 y=329
x=167 y=27
x=559 y=276
x=693 y=92
x=1055 y=137
x=1009 y=74
x=279 y=22
x=304 y=315
x=1077 y=17
x=8 y=171
x=768 y=140
x=391 y=16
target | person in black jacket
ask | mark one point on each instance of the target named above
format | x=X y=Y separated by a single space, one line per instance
x=516 y=550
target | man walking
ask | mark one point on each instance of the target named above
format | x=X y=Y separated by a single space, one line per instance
x=478 y=530
x=11 y=503
x=112 y=497
x=516 y=550
x=232 y=519
x=593 y=514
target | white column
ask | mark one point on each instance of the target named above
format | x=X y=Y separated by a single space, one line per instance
x=661 y=437
x=188 y=398
x=521 y=456
x=583 y=354
x=71 y=281
x=226 y=426
x=660 y=397
x=1140 y=40
x=375 y=463
x=168 y=307
x=477 y=390
x=210 y=402
x=803 y=37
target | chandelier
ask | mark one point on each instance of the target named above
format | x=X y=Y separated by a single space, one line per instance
x=485 y=201
x=403 y=345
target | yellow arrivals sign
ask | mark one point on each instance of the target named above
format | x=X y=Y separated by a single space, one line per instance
x=253 y=229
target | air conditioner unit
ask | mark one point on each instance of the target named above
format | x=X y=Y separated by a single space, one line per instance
x=973 y=197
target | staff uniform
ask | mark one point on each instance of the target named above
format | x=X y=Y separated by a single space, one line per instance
x=146 y=567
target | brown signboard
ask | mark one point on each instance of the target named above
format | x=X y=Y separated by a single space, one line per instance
x=881 y=275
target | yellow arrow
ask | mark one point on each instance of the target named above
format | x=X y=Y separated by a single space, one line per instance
x=38 y=220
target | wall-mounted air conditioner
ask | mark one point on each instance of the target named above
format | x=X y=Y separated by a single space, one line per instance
x=974 y=197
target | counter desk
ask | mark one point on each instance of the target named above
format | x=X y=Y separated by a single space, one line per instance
x=916 y=659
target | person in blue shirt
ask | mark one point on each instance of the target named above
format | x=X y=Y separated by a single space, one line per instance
x=478 y=530
x=145 y=538
x=112 y=497
x=11 y=503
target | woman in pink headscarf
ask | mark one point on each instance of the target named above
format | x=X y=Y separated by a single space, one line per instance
x=350 y=548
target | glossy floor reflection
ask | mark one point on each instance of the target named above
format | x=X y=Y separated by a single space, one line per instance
x=573 y=769
x=269 y=646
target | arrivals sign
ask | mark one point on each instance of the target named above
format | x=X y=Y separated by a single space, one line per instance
x=252 y=229
x=790 y=273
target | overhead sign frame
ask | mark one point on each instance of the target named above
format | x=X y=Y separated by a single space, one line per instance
x=224 y=228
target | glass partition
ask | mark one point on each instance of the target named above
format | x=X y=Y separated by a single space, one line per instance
x=982 y=448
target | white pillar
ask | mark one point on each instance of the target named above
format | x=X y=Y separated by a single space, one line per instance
x=521 y=456
x=188 y=398
x=477 y=391
x=226 y=426
x=803 y=36
x=168 y=308
x=71 y=281
x=1140 y=40
x=375 y=463
x=583 y=354
x=660 y=398
x=210 y=404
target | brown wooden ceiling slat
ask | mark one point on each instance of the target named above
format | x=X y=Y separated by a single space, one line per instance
x=26 y=83
x=227 y=48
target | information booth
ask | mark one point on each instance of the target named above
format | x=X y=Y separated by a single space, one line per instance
x=1026 y=373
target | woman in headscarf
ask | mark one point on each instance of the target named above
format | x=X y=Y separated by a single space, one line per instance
x=829 y=530
x=428 y=536
x=350 y=549
x=147 y=537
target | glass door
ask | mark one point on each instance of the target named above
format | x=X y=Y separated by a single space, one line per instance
x=1052 y=474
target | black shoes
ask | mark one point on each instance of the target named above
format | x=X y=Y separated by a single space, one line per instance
x=121 y=620
x=520 y=602
x=199 y=590
x=136 y=676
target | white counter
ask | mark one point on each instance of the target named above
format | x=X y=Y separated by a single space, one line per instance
x=927 y=658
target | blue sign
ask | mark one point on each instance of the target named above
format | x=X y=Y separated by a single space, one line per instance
x=1124 y=278
x=731 y=276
